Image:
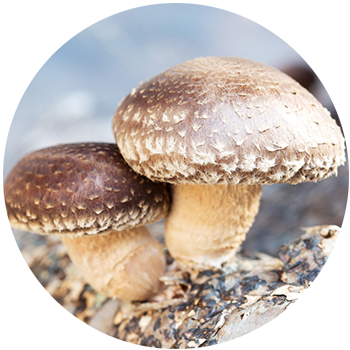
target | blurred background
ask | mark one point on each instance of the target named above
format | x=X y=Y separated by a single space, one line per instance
x=67 y=66
x=74 y=95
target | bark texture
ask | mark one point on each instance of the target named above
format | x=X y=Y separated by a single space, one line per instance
x=196 y=308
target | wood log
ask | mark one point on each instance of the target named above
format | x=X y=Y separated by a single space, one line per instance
x=195 y=308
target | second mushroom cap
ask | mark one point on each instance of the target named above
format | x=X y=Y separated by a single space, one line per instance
x=77 y=189
x=88 y=196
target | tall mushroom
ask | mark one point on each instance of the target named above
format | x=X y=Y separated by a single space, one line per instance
x=218 y=128
x=87 y=195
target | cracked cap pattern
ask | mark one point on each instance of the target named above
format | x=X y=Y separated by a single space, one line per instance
x=78 y=189
x=224 y=120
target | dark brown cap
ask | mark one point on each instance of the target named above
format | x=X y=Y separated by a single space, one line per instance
x=80 y=189
x=224 y=120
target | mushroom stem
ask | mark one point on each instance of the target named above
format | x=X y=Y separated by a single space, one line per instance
x=207 y=223
x=126 y=264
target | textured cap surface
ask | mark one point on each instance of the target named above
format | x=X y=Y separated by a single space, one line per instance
x=227 y=120
x=80 y=189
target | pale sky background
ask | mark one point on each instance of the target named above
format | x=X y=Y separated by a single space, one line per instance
x=74 y=95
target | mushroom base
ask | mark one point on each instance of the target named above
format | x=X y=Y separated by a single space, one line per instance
x=208 y=223
x=126 y=264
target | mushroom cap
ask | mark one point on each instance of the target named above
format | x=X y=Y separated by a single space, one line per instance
x=224 y=120
x=77 y=189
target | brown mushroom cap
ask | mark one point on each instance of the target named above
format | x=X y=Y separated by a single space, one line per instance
x=223 y=120
x=78 y=189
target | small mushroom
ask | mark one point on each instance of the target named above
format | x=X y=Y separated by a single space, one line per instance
x=217 y=128
x=88 y=196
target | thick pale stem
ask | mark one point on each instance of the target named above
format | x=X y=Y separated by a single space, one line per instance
x=208 y=223
x=126 y=264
